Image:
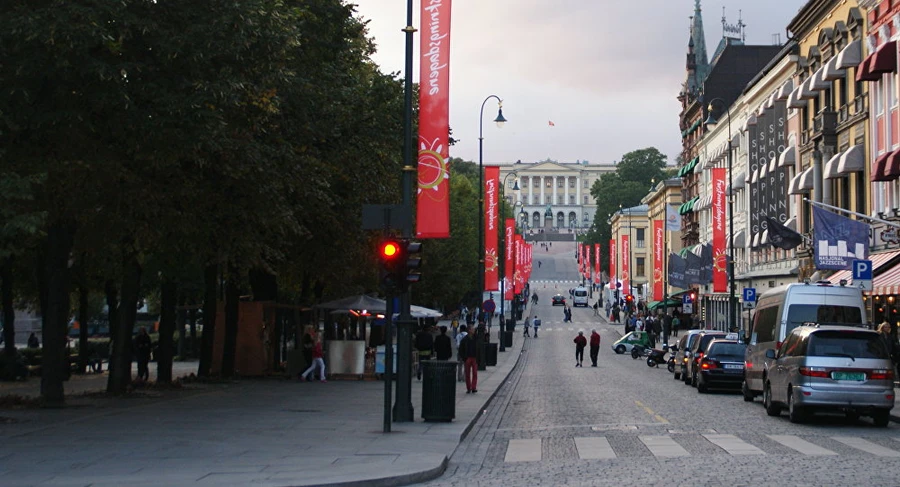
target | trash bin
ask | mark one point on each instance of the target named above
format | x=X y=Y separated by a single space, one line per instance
x=490 y=354
x=439 y=390
x=507 y=339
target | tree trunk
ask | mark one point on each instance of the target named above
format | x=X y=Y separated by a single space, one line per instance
x=55 y=314
x=211 y=285
x=82 y=321
x=232 y=307
x=195 y=346
x=165 y=352
x=120 y=377
x=6 y=301
x=112 y=318
x=180 y=321
x=264 y=285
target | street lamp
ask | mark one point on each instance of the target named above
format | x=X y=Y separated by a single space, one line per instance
x=630 y=275
x=711 y=120
x=500 y=120
x=503 y=260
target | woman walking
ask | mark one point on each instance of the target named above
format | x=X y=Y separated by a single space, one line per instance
x=318 y=360
x=580 y=343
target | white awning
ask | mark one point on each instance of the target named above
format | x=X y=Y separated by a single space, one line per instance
x=791 y=223
x=735 y=141
x=800 y=182
x=773 y=164
x=788 y=157
x=850 y=56
x=755 y=242
x=853 y=160
x=817 y=80
x=761 y=110
x=761 y=175
x=807 y=181
x=806 y=90
x=739 y=182
x=785 y=91
x=770 y=103
x=752 y=178
x=740 y=238
x=831 y=167
x=765 y=237
x=832 y=72
x=794 y=100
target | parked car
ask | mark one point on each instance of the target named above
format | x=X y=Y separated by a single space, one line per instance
x=838 y=368
x=698 y=350
x=558 y=299
x=628 y=341
x=684 y=352
x=722 y=366
x=781 y=309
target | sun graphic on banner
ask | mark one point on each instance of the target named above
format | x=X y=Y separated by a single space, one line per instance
x=490 y=260
x=624 y=275
x=432 y=166
x=721 y=261
x=657 y=275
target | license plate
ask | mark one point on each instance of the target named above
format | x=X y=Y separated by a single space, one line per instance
x=734 y=366
x=858 y=376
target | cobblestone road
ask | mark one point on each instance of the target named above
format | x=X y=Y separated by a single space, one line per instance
x=624 y=423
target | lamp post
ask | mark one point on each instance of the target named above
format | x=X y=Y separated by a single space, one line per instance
x=711 y=120
x=500 y=120
x=630 y=245
x=503 y=261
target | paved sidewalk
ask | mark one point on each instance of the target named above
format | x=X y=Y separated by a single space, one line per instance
x=266 y=432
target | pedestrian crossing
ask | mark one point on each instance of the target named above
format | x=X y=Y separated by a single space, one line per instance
x=669 y=446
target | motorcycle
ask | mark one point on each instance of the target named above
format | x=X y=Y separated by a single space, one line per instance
x=638 y=351
x=670 y=365
x=657 y=357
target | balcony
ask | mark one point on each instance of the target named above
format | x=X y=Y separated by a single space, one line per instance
x=824 y=124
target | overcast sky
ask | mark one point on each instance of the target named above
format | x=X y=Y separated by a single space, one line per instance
x=605 y=72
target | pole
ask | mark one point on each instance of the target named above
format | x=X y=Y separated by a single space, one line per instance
x=502 y=266
x=388 y=359
x=732 y=309
x=849 y=212
x=479 y=335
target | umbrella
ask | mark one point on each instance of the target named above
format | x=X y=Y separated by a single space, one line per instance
x=358 y=302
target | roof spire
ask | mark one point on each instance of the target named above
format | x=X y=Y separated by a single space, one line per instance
x=697 y=61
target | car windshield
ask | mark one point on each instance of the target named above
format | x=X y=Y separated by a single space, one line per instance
x=799 y=314
x=581 y=293
x=846 y=343
x=727 y=350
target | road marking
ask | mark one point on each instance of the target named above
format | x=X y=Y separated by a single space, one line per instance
x=593 y=448
x=524 y=450
x=734 y=445
x=867 y=446
x=663 y=446
x=659 y=419
x=801 y=445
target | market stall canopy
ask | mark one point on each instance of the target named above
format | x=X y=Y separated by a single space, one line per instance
x=359 y=302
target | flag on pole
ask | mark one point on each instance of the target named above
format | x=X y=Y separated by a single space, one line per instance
x=673 y=219
x=838 y=240
x=781 y=236
x=551 y=123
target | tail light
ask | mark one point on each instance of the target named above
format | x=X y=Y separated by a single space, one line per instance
x=709 y=364
x=748 y=365
x=881 y=374
x=820 y=372
x=777 y=345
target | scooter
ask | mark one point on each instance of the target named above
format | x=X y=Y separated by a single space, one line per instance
x=657 y=356
x=670 y=365
x=638 y=351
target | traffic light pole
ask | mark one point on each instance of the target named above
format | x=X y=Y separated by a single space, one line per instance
x=388 y=358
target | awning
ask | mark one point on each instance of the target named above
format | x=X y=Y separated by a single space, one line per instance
x=802 y=183
x=703 y=203
x=764 y=239
x=794 y=100
x=883 y=60
x=740 y=239
x=688 y=206
x=880 y=166
x=752 y=178
x=788 y=156
x=785 y=91
x=773 y=164
x=751 y=120
x=891 y=167
x=791 y=223
x=735 y=141
x=850 y=56
x=739 y=181
x=761 y=110
x=852 y=160
x=831 y=167
x=755 y=243
x=689 y=167
x=807 y=182
x=878 y=260
x=770 y=103
x=668 y=303
x=806 y=90
x=888 y=282
x=819 y=82
x=832 y=72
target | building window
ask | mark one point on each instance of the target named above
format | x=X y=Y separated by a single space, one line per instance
x=559 y=182
x=572 y=183
x=585 y=184
x=639 y=267
x=640 y=238
x=571 y=199
x=559 y=199
x=585 y=200
x=535 y=182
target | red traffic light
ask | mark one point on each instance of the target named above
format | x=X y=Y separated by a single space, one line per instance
x=389 y=250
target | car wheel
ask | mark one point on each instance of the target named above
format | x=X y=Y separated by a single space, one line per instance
x=852 y=416
x=796 y=413
x=701 y=386
x=746 y=392
x=620 y=349
x=693 y=379
x=677 y=375
x=684 y=377
x=771 y=408
x=634 y=353
x=881 y=417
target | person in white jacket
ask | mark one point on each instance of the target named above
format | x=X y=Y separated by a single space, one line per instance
x=459 y=360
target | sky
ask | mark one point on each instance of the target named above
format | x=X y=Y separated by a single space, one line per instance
x=605 y=72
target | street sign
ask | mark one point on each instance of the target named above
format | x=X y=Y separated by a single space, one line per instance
x=750 y=294
x=862 y=274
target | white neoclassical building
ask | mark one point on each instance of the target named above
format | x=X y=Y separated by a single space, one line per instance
x=552 y=195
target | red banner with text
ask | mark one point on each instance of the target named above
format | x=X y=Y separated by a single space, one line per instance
x=658 y=238
x=491 y=231
x=720 y=257
x=597 y=263
x=508 y=253
x=626 y=265
x=433 y=199
x=612 y=262
x=520 y=265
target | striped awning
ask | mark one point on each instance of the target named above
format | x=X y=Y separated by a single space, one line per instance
x=888 y=282
x=878 y=260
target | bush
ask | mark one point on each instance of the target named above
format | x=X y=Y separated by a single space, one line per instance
x=12 y=366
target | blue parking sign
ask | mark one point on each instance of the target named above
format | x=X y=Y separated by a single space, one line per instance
x=862 y=270
x=749 y=294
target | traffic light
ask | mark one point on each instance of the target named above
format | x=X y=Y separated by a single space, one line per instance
x=391 y=254
x=413 y=262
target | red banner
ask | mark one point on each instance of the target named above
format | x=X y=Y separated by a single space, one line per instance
x=491 y=230
x=658 y=237
x=720 y=257
x=508 y=254
x=520 y=265
x=626 y=265
x=597 y=263
x=612 y=261
x=433 y=200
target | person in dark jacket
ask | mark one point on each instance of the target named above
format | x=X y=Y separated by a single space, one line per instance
x=442 y=348
x=33 y=341
x=142 y=349
x=425 y=347
x=580 y=343
x=468 y=353
x=595 y=347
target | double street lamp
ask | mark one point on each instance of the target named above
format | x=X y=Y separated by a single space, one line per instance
x=712 y=120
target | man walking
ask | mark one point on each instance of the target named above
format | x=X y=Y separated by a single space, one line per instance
x=468 y=352
x=442 y=348
x=460 y=360
x=580 y=343
x=536 y=323
x=527 y=326
x=425 y=347
x=595 y=347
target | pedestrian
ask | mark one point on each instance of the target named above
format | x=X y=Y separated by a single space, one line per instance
x=527 y=325
x=142 y=348
x=597 y=308
x=536 y=323
x=424 y=348
x=565 y=314
x=580 y=343
x=468 y=353
x=454 y=325
x=676 y=324
x=318 y=360
x=666 y=327
x=443 y=350
x=890 y=343
x=33 y=341
x=595 y=347
x=460 y=361
x=307 y=342
x=534 y=298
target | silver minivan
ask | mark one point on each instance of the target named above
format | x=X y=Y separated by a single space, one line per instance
x=837 y=368
x=580 y=297
x=781 y=309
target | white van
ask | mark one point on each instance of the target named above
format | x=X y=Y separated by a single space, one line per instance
x=781 y=309
x=580 y=297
